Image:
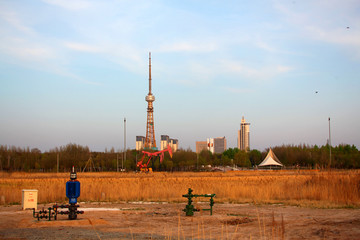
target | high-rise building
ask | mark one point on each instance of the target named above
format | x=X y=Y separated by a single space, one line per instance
x=174 y=144
x=210 y=144
x=216 y=145
x=244 y=136
x=140 y=142
x=201 y=145
x=166 y=141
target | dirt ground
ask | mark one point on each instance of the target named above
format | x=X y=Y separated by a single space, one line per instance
x=168 y=221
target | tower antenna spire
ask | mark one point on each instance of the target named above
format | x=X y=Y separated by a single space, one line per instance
x=149 y=73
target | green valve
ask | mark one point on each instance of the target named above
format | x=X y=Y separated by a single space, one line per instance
x=190 y=209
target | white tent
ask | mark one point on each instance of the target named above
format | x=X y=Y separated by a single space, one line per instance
x=271 y=161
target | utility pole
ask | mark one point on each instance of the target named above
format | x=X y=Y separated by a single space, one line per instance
x=329 y=143
x=57 y=162
x=197 y=161
x=136 y=161
x=124 y=158
x=117 y=162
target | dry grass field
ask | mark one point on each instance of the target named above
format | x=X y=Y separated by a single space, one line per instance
x=304 y=188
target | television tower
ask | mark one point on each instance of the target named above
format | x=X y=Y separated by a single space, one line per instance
x=150 y=132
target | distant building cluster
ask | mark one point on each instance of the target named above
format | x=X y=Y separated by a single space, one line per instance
x=214 y=145
x=164 y=143
x=218 y=145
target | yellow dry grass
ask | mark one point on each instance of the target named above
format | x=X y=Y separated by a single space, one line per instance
x=311 y=188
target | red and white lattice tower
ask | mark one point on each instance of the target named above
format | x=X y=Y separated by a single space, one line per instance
x=150 y=132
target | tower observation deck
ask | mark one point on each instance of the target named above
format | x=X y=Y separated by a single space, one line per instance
x=150 y=132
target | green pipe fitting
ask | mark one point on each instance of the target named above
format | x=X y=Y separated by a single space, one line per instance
x=190 y=209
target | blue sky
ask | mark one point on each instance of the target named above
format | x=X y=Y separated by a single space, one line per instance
x=71 y=70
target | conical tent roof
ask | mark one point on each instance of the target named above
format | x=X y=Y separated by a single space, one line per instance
x=270 y=160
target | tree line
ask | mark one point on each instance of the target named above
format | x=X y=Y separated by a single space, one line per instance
x=63 y=158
